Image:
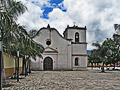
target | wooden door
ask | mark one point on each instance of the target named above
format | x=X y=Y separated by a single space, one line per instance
x=48 y=64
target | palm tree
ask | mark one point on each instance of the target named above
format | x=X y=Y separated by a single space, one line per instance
x=102 y=51
x=32 y=33
x=28 y=47
x=9 y=11
x=15 y=36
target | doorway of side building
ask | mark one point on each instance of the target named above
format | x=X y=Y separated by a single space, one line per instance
x=48 y=63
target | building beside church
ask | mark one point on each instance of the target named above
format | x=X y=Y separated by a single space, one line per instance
x=61 y=52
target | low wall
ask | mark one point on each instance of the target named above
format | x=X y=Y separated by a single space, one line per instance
x=100 y=64
x=9 y=64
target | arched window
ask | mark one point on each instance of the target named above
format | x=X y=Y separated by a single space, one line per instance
x=76 y=61
x=77 y=37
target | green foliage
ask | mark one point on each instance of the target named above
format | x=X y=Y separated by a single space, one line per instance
x=94 y=58
x=108 y=52
x=14 y=36
x=101 y=50
x=114 y=49
x=32 y=33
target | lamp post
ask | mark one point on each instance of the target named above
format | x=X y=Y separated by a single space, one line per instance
x=18 y=67
x=1 y=48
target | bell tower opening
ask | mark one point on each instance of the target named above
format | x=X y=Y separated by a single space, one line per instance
x=77 y=37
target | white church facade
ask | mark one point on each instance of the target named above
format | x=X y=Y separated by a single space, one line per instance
x=61 y=52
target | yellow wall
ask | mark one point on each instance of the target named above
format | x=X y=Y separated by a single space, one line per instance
x=9 y=64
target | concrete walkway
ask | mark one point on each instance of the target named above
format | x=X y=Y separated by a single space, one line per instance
x=68 y=80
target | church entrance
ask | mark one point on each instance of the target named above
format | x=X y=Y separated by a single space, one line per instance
x=48 y=64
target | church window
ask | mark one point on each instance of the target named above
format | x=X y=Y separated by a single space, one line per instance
x=77 y=37
x=48 y=42
x=76 y=61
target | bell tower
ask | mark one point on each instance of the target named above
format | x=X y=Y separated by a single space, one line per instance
x=77 y=35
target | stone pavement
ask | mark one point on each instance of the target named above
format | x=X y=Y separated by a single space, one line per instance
x=68 y=80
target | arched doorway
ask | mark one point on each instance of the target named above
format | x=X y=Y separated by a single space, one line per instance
x=48 y=63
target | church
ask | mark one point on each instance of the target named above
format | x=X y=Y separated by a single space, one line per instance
x=61 y=52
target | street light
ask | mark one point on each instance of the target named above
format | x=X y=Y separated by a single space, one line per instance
x=18 y=67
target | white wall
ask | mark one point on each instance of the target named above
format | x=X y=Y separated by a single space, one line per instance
x=62 y=59
x=82 y=34
x=79 y=49
x=82 y=61
x=35 y=64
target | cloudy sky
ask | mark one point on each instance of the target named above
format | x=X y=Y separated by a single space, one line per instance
x=98 y=15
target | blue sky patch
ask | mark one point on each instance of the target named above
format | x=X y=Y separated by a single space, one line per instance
x=48 y=9
x=88 y=52
x=56 y=1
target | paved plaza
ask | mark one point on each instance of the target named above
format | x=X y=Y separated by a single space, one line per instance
x=67 y=80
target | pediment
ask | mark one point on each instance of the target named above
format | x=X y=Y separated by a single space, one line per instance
x=50 y=50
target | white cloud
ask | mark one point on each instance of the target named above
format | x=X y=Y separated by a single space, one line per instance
x=98 y=15
x=59 y=19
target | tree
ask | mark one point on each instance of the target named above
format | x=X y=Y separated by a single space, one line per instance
x=102 y=50
x=9 y=11
x=14 y=36
x=94 y=57
x=32 y=33
x=28 y=48
x=109 y=51
x=114 y=50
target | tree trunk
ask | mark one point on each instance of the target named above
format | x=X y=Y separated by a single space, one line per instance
x=15 y=76
x=103 y=67
x=23 y=66
x=3 y=71
x=29 y=66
